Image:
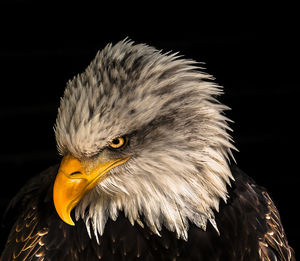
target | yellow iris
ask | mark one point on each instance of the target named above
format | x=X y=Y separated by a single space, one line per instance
x=118 y=143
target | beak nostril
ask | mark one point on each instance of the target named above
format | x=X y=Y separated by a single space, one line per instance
x=75 y=172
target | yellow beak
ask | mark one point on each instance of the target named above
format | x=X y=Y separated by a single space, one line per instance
x=74 y=180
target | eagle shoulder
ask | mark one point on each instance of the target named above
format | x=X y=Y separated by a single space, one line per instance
x=25 y=240
x=273 y=245
x=261 y=218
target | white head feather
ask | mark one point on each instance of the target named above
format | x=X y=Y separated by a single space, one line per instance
x=179 y=145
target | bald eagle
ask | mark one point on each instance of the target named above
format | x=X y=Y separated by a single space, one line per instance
x=146 y=173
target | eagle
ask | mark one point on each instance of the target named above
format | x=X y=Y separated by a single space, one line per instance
x=147 y=172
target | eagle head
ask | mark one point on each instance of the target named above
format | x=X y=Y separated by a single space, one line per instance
x=141 y=132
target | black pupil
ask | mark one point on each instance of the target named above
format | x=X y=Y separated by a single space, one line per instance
x=116 y=141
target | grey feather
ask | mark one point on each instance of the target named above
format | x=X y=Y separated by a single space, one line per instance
x=179 y=144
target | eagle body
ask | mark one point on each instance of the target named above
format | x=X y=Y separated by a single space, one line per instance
x=249 y=228
x=146 y=172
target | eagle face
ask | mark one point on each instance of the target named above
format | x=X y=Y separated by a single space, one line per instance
x=142 y=132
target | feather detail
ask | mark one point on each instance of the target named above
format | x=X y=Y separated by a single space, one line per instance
x=178 y=168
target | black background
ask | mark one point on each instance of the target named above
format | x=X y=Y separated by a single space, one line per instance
x=251 y=55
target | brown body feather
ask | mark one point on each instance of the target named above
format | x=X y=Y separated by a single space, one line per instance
x=249 y=225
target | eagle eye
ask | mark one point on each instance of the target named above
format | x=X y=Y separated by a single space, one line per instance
x=118 y=142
